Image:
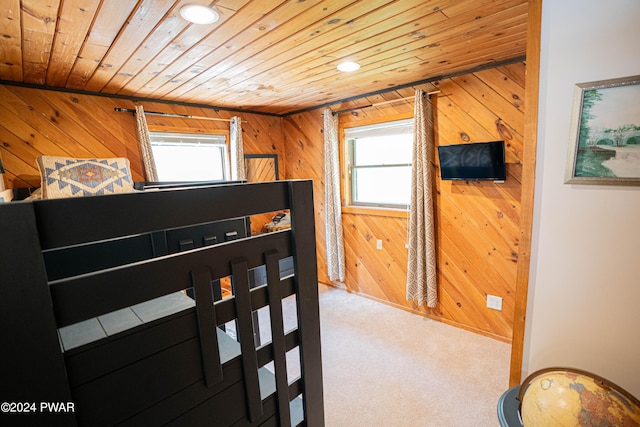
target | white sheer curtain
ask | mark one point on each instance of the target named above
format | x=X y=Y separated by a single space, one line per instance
x=150 y=172
x=237 y=152
x=421 y=266
x=332 y=204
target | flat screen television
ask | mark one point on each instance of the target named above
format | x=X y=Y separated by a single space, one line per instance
x=471 y=162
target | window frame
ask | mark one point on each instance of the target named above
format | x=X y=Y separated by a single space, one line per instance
x=204 y=133
x=347 y=182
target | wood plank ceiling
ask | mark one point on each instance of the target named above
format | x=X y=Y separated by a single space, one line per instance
x=271 y=56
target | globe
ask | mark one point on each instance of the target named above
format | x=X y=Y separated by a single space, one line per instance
x=570 y=397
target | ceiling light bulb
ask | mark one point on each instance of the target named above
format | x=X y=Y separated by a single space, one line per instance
x=199 y=14
x=348 y=66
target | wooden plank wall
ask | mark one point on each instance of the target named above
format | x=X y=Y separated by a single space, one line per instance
x=477 y=222
x=43 y=122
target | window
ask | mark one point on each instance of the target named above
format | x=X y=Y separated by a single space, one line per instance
x=189 y=157
x=379 y=164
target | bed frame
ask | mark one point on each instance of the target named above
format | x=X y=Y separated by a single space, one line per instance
x=124 y=345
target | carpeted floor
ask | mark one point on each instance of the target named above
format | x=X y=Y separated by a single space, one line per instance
x=386 y=367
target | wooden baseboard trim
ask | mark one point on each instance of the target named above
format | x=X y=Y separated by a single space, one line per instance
x=421 y=313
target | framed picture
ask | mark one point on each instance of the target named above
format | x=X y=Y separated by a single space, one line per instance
x=605 y=133
x=261 y=167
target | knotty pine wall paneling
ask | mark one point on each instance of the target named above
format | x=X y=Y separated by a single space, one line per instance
x=477 y=223
x=43 y=122
x=304 y=158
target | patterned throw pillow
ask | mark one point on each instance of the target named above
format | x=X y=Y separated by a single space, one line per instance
x=70 y=177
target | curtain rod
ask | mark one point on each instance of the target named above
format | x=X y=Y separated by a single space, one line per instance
x=379 y=103
x=182 y=116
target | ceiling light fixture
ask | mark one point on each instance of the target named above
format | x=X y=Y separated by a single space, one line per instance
x=199 y=14
x=348 y=66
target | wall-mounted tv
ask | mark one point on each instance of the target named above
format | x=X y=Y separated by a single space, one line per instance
x=475 y=161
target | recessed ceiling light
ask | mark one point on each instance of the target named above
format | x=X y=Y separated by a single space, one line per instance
x=199 y=14
x=348 y=66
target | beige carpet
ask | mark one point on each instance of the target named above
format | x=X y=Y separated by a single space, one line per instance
x=386 y=367
x=383 y=366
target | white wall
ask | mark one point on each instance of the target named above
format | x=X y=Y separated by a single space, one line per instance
x=584 y=291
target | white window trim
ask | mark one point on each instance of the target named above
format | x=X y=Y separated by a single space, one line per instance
x=219 y=140
x=348 y=136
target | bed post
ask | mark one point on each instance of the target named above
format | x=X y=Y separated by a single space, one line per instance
x=304 y=248
x=33 y=370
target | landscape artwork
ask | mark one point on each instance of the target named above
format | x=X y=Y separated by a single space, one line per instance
x=605 y=146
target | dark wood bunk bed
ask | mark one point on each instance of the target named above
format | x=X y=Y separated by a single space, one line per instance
x=124 y=345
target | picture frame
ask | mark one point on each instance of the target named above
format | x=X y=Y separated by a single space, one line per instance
x=605 y=133
x=261 y=167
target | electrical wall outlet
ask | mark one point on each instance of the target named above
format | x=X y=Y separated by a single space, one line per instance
x=494 y=302
x=379 y=244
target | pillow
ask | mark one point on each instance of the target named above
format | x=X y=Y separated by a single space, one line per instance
x=70 y=177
